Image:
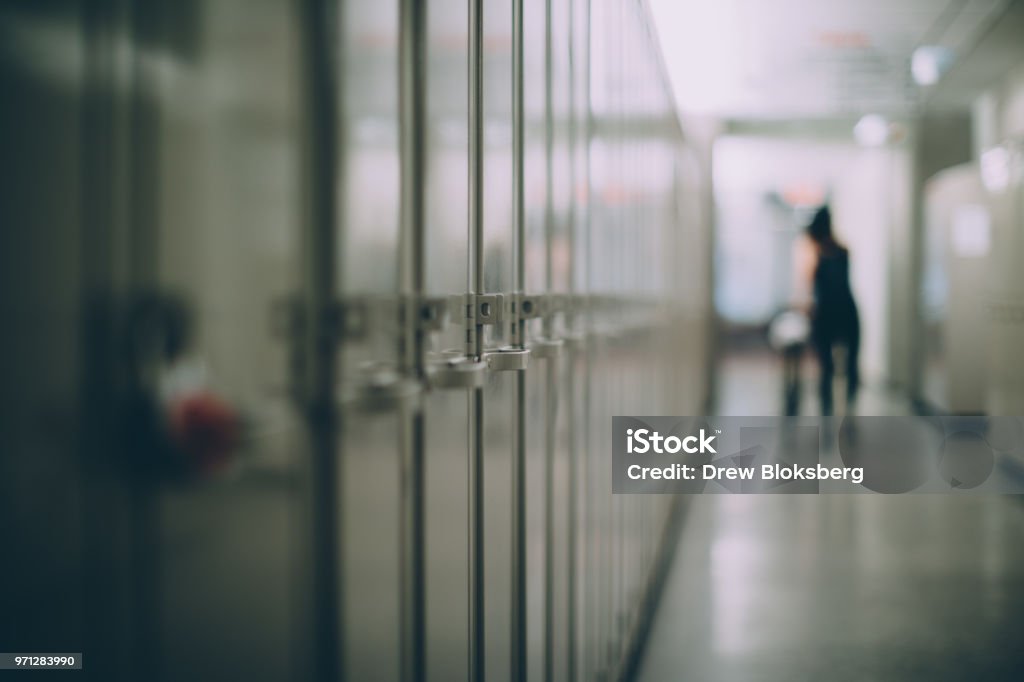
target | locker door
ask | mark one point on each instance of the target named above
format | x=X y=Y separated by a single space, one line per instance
x=547 y=268
x=223 y=213
x=494 y=421
x=446 y=410
x=41 y=131
x=373 y=273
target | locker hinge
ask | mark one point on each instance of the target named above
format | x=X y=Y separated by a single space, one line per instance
x=476 y=310
x=521 y=307
x=357 y=317
x=339 y=320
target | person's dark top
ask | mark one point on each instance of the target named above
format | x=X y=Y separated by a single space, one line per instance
x=835 y=313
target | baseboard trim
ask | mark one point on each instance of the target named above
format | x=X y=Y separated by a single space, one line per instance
x=654 y=590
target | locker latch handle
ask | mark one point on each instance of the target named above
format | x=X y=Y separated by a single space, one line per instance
x=546 y=348
x=456 y=371
x=507 y=359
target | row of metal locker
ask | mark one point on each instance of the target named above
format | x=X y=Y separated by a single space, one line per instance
x=318 y=315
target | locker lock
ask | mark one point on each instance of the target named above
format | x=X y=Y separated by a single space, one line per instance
x=205 y=431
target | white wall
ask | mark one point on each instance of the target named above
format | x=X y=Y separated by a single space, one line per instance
x=1000 y=126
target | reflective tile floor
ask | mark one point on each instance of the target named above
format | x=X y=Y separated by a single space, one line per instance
x=841 y=587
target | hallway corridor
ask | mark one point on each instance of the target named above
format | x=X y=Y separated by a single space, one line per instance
x=421 y=340
x=845 y=588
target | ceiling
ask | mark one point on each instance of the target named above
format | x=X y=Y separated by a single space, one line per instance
x=764 y=59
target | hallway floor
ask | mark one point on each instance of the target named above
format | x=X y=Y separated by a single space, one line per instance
x=840 y=587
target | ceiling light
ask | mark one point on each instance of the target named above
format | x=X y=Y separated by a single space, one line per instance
x=871 y=131
x=929 y=62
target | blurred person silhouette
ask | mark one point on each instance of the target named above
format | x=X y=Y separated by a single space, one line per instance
x=834 y=318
